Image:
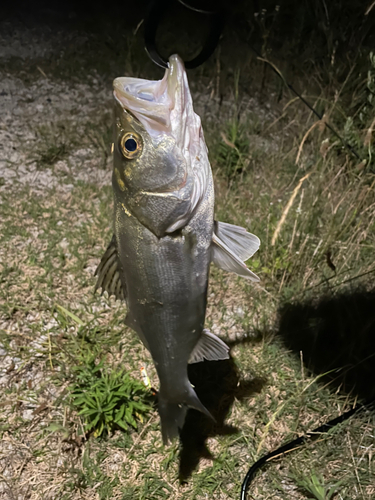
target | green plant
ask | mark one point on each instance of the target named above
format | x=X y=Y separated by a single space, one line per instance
x=233 y=149
x=315 y=485
x=107 y=399
x=359 y=128
x=55 y=142
x=100 y=135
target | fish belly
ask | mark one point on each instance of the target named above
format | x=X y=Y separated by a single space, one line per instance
x=166 y=291
x=166 y=280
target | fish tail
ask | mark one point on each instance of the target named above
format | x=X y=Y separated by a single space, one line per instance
x=172 y=414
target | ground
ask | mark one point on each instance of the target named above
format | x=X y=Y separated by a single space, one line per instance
x=301 y=340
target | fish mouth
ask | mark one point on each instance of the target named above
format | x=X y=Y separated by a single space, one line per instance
x=160 y=105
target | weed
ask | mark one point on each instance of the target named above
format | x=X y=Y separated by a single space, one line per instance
x=56 y=141
x=359 y=126
x=90 y=475
x=314 y=484
x=101 y=137
x=49 y=154
x=107 y=399
x=233 y=150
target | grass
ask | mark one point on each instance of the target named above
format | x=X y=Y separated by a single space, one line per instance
x=106 y=398
x=291 y=336
x=316 y=487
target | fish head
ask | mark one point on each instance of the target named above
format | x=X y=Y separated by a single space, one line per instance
x=160 y=155
x=141 y=164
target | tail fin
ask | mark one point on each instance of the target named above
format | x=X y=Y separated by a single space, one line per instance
x=172 y=414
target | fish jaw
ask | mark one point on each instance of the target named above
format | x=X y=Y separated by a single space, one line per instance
x=159 y=104
x=147 y=100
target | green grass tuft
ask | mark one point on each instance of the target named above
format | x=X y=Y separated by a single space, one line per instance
x=107 y=399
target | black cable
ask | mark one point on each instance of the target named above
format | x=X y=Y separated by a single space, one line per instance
x=297 y=442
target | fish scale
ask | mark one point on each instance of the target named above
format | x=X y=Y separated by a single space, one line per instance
x=165 y=235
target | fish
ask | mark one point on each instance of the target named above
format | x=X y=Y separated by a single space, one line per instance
x=165 y=234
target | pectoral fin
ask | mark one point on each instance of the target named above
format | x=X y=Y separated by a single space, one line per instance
x=237 y=239
x=209 y=347
x=226 y=259
x=109 y=274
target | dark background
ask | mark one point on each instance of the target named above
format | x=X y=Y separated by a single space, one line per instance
x=302 y=33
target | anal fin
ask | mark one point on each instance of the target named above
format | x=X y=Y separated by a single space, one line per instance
x=108 y=272
x=209 y=347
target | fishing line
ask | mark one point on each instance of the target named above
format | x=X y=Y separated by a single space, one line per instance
x=296 y=443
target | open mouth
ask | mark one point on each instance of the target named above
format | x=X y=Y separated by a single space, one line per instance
x=152 y=102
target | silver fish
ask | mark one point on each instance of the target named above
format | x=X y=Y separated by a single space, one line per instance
x=165 y=235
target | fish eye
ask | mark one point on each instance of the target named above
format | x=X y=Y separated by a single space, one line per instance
x=131 y=145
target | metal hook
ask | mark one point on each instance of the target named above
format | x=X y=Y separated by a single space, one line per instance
x=152 y=21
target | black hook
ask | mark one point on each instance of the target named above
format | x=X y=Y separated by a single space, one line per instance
x=152 y=20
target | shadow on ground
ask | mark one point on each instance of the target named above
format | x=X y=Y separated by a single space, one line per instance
x=217 y=384
x=337 y=333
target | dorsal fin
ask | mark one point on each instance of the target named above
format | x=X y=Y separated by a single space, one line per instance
x=108 y=272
